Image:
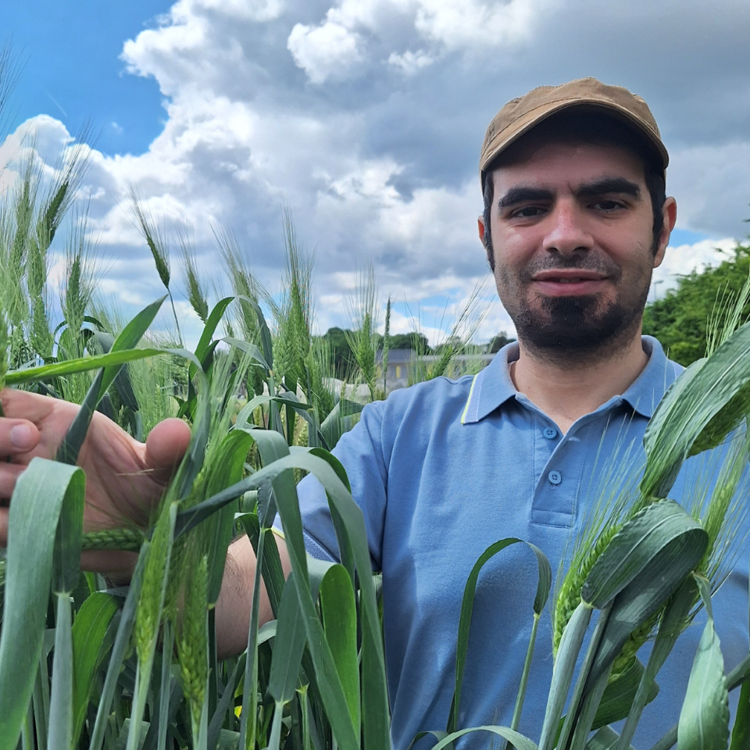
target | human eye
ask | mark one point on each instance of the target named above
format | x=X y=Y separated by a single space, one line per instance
x=608 y=205
x=527 y=212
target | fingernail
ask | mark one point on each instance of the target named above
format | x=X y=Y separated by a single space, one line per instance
x=20 y=436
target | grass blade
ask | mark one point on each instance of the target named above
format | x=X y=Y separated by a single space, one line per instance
x=149 y=611
x=704 y=719
x=61 y=719
x=288 y=646
x=619 y=697
x=90 y=646
x=544 y=582
x=562 y=673
x=741 y=729
x=672 y=623
x=121 y=645
x=701 y=407
x=633 y=548
x=517 y=740
x=44 y=493
x=376 y=725
x=605 y=739
x=664 y=564
x=82 y=364
x=339 y=612
x=229 y=467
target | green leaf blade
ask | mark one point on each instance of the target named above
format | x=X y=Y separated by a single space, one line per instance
x=339 y=611
x=41 y=495
x=704 y=719
x=90 y=646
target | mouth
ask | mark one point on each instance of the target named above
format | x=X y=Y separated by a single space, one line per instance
x=569 y=282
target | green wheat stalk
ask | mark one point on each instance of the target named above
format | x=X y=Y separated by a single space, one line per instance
x=157 y=246
x=192 y=643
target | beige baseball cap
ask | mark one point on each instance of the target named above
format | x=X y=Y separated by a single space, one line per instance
x=520 y=115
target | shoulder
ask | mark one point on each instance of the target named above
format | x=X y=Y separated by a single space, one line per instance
x=417 y=410
x=438 y=395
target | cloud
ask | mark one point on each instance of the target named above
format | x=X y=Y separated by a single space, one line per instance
x=684 y=259
x=365 y=118
x=464 y=24
x=327 y=51
x=712 y=185
x=354 y=29
x=411 y=62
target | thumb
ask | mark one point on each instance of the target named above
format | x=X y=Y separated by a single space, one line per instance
x=165 y=446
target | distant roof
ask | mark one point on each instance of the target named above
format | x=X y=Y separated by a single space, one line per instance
x=396 y=356
x=405 y=356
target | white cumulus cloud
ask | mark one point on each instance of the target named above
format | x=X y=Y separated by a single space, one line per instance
x=327 y=51
x=365 y=118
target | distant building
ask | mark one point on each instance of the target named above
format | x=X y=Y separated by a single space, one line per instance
x=405 y=366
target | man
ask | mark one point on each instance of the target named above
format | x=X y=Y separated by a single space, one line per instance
x=575 y=221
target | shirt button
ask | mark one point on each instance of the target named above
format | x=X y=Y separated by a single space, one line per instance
x=549 y=432
x=555 y=477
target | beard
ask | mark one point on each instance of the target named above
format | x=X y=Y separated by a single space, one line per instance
x=574 y=325
x=570 y=327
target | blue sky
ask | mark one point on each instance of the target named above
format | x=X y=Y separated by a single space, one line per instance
x=364 y=119
x=69 y=54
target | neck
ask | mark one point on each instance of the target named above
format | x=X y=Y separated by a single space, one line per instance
x=566 y=388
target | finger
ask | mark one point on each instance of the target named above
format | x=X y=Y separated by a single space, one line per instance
x=9 y=474
x=17 y=436
x=30 y=406
x=117 y=565
x=165 y=447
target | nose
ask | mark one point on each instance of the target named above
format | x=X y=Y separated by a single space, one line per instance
x=567 y=230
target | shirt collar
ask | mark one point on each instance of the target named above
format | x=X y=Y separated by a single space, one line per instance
x=492 y=387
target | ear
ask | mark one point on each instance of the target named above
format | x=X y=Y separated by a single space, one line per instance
x=480 y=227
x=670 y=218
x=487 y=246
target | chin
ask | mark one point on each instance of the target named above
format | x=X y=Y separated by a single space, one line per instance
x=575 y=324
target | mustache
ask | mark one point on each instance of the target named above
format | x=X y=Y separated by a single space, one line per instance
x=595 y=264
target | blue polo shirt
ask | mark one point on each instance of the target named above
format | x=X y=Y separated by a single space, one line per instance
x=445 y=468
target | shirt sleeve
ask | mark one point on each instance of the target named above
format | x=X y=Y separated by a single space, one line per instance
x=361 y=452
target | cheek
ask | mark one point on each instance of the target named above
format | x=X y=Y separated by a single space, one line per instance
x=511 y=251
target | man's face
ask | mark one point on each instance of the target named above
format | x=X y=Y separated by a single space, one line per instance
x=572 y=234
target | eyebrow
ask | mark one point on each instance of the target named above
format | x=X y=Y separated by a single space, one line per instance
x=522 y=195
x=605 y=186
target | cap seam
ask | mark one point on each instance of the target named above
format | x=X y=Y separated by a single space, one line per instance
x=595 y=102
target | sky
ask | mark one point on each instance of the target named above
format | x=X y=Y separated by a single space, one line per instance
x=363 y=119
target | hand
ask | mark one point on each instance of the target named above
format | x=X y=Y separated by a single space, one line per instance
x=124 y=478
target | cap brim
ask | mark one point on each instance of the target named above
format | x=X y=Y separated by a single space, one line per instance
x=533 y=118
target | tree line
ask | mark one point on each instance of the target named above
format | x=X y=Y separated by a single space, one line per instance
x=338 y=340
x=682 y=318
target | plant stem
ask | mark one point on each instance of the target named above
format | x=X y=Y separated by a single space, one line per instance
x=27 y=732
x=562 y=674
x=588 y=711
x=734 y=679
x=40 y=703
x=274 y=741
x=166 y=684
x=676 y=612
x=575 y=703
x=524 y=679
x=668 y=740
x=249 y=693
x=739 y=674
x=174 y=312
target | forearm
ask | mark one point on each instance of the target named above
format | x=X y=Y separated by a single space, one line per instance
x=235 y=599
